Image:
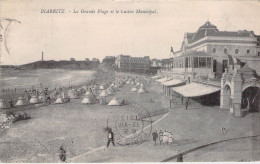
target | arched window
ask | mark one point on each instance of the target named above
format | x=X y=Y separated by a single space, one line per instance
x=214 y=50
x=236 y=51
x=225 y=50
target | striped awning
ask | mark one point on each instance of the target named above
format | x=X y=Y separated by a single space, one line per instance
x=195 y=89
x=172 y=82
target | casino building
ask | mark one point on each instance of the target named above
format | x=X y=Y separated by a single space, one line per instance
x=210 y=61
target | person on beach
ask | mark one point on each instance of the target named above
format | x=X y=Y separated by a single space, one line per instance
x=62 y=154
x=160 y=136
x=170 y=138
x=186 y=103
x=155 y=137
x=165 y=137
x=110 y=137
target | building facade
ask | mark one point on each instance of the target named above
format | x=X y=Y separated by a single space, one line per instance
x=133 y=64
x=216 y=60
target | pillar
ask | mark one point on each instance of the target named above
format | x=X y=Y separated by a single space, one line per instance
x=236 y=94
x=224 y=96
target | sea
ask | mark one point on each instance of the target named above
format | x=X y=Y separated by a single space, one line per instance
x=42 y=78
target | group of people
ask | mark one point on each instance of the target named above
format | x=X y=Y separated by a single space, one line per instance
x=165 y=137
x=8 y=90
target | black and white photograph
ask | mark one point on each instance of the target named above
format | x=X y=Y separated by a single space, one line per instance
x=112 y=81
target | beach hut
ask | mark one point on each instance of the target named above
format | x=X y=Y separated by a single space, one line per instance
x=115 y=102
x=142 y=90
x=59 y=100
x=73 y=94
x=35 y=100
x=21 y=101
x=134 y=89
x=4 y=104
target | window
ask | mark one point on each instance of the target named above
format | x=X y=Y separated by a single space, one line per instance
x=214 y=50
x=237 y=51
x=195 y=62
x=186 y=62
x=248 y=51
x=225 y=65
x=225 y=51
x=202 y=62
x=208 y=62
x=258 y=53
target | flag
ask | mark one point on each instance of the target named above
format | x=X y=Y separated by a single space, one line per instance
x=233 y=60
x=172 y=49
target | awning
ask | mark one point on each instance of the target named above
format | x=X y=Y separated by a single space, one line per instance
x=163 y=80
x=195 y=90
x=172 y=82
x=156 y=77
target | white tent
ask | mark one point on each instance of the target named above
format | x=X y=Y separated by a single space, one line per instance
x=88 y=100
x=73 y=94
x=138 y=83
x=102 y=87
x=4 y=104
x=21 y=101
x=134 y=89
x=103 y=93
x=115 y=102
x=59 y=100
x=34 y=100
x=90 y=94
x=142 y=90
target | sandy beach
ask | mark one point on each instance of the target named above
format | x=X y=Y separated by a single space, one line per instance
x=80 y=129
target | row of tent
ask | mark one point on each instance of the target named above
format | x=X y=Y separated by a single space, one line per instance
x=90 y=97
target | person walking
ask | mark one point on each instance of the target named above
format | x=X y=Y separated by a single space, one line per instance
x=155 y=137
x=110 y=137
x=160 y=136
x=62 y=154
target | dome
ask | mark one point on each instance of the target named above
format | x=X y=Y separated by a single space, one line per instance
x=134 y=89
x=21 y=101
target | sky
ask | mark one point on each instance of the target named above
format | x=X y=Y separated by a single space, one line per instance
x=96 y=35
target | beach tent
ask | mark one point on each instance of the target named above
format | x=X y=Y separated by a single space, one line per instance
x=134 y=89
x=34 y=100
x=103 y=93
x=115 y=102
x=88 y=100
x=102 y=87
x=21 y=101
x=142 y=90
x=59 y=100
x=90 y=94
x=4 y=104
x=73 y=94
